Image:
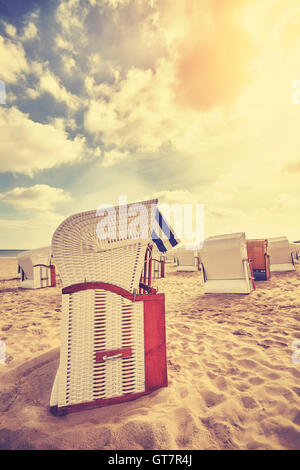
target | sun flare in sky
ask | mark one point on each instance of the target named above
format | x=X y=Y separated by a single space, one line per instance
x=190 y=101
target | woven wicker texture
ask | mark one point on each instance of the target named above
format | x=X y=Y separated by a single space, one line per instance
x=115 y=323
x=81 y=256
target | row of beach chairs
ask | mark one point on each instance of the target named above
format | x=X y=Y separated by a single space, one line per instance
x=113 y=338
x=231 y=264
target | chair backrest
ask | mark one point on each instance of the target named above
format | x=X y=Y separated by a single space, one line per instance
x=223 y=255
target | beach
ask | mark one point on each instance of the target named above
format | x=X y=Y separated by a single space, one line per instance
x=232 y=381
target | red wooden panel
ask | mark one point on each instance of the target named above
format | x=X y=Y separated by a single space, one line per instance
x=268 y=271
x=125 y=352
x=162 y=263
x=155 y=343
x=53 y=276
x=112 y=288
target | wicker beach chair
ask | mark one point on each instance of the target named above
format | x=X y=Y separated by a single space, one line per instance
x=225 y=265
x=281 y=258
x=113 y=345
x=258 y=254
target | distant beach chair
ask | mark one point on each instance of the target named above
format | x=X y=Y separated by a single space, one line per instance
x=113 y=342
x=187 y=260
x=36 y=269
x=281 y=258
x=258 y=255
x=169 y=258
x=156 y=264
x=295 y=250
x=225 y=265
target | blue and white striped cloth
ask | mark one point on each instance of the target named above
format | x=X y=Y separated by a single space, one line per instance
x=162 y=234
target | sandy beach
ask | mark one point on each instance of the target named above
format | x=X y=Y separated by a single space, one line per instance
x=232 y=381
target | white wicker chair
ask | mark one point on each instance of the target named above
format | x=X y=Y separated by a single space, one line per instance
x=112 y=338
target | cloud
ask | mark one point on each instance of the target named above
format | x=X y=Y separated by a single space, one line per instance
x=136 y=111
x=13 y=62
x=30 y=32
x=70 y=16
x=213 y=68
x=116 y=3
x=10 y=30
x=28 y=146
x=173 y=197
x=40 y=197
x=292 y=167
x=113 y=157
x=31 y=232
x=51 y=84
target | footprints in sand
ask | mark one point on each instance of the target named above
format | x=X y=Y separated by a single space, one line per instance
x=244 y=369
x=29 y=318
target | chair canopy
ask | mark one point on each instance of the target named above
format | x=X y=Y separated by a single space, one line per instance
x=109 y=244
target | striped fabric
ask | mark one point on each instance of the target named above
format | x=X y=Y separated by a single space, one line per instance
x=162 y=234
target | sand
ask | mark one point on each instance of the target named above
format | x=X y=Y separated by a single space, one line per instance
x=232 y=381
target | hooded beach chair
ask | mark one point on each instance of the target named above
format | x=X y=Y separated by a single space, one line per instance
x=281 y=258
x=187 y=260
x=258 y=255
x=113 y=343
x=36 y=269
x=225 y=265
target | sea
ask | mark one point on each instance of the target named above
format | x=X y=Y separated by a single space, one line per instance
x=10 y=253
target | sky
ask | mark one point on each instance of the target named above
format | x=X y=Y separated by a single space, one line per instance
x=191 y=101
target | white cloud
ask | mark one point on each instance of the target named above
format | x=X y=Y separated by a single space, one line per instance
x=117 y=3
x=30 y=31
x=10 y=30
x=32 y=232
x=40 y=197
x=13 y=62
x=28 y=146
x=114 y=156
x=51 y=84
